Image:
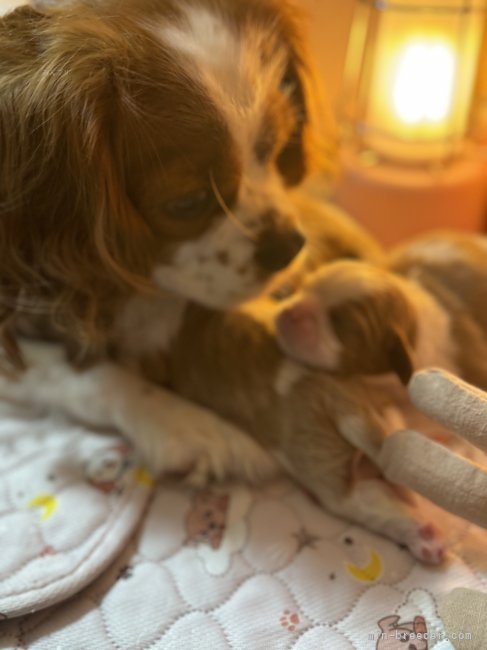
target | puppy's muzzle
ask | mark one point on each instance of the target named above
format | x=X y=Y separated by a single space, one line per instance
x=277 y=246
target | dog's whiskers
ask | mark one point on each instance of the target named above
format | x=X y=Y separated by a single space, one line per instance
x=221 y=202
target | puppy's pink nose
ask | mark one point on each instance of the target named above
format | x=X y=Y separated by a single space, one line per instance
x=298 y=326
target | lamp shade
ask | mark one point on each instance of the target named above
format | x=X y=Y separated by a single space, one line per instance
x=410 y=77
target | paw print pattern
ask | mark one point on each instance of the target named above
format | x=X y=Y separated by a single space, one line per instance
x=206 y=521
x=290 y=620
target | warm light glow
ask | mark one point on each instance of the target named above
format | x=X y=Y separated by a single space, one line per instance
x=411 y=70
x=424 y=82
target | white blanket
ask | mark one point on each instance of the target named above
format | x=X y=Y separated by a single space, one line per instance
x=69 y=500
x=226 y=568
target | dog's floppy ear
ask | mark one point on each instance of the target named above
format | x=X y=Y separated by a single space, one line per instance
x=311 y=144
x=292 y=161
x=66 y=225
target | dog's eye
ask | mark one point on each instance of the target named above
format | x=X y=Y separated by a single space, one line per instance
x=190 y=206
x=289 y=80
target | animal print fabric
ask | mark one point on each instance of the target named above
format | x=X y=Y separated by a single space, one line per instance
x=228 y=567
x=69 y=501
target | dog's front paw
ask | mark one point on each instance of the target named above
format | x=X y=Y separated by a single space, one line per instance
x=174 y=436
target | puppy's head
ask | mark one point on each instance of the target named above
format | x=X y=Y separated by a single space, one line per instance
x=149 y=142
x=351 y=318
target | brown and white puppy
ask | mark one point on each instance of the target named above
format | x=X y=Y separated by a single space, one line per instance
x=147 y=153
x=308 y=420
x=427 y=308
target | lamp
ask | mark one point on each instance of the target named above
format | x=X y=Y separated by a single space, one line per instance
x=411 y=76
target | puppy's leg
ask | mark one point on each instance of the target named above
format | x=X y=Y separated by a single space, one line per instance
x=323 y=460
x=171 y=433
x=376 y=505
x=370 y=502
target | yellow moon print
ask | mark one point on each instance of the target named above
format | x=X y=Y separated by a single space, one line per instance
x=368 y=573
x=143 y=477
x=47 y=502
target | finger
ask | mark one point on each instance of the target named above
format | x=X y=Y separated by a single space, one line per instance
x=453 y=403
x=456 y=485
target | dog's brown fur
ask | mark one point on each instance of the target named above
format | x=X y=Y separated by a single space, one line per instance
x=85 y=114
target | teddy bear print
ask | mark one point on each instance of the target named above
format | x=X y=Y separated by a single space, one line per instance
x=402 y=636
x=206 y=520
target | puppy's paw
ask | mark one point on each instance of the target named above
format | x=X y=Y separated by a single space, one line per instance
x=426 y=545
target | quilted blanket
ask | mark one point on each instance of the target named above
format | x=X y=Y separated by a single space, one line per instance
x=95 y=556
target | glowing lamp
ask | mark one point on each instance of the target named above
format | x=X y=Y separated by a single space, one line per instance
x=410 y=77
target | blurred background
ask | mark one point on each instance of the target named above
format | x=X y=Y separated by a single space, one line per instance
x=406 y=82
x=420 y=163
x=329 y=25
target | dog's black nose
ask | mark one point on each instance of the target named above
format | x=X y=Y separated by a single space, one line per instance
x=277 y=247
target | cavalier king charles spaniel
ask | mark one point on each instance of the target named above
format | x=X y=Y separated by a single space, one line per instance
x=148 y=153
x=148 y=148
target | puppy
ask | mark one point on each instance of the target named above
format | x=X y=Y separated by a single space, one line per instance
x=150 y=151
x=427 y=308
x=311 y=422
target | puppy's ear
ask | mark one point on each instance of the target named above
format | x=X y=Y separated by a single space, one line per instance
x=400 y=356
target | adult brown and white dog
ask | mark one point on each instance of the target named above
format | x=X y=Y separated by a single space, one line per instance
x=148 y=152
x=148 y=149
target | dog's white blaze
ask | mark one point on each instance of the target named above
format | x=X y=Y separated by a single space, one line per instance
x=209 y=42
x=230 y=67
